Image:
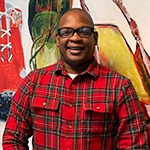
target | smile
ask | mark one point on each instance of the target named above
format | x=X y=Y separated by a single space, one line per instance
x=75 y=48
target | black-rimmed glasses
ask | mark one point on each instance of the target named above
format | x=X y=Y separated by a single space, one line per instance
x=83 y=32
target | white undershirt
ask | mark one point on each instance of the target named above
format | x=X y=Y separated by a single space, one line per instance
x=72 y=75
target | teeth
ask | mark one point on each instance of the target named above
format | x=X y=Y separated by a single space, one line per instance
x=75 y=48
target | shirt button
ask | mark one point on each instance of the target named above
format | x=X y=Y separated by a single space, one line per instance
x=70 y=105
x=98 y=108
x=69 y=126
x=44 y=104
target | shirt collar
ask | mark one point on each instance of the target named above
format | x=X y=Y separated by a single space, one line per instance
x=92 y=70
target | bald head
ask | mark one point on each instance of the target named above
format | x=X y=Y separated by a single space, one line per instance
x=77 y=40
x=76 y=14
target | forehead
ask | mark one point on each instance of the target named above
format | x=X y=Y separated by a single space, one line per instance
x=75 y=19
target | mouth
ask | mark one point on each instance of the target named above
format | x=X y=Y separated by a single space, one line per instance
x=75 y=50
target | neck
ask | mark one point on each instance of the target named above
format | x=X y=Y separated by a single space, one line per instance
x=76 y=69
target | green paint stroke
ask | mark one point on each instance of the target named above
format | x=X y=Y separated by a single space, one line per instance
x=43 y=23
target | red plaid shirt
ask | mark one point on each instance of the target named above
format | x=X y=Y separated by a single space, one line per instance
x=98 y=110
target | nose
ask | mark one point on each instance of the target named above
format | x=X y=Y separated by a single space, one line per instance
x=75 y=36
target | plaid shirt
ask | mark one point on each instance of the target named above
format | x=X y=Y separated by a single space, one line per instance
x=98 y=110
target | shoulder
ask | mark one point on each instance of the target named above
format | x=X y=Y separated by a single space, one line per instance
x=45 y=70
x=112 y=76
x=41 y=72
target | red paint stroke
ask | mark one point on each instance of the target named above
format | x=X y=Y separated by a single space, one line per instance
x=11 y=52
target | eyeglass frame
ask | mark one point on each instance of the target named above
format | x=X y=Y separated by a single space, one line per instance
x=75 y=30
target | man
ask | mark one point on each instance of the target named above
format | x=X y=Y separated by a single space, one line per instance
x=75 y=104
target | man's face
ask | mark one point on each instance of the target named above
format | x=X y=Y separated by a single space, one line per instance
x=76 y=50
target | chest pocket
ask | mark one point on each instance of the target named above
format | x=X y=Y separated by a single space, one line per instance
x=99 y=118
x=98 y=107
x=44 y=112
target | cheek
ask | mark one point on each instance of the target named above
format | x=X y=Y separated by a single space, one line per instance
x=61 y=42
x=91 y=45
x=62 y=47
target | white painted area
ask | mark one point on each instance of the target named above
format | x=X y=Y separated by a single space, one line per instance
x=26 y=38
x=106 y=11
x=2 y=125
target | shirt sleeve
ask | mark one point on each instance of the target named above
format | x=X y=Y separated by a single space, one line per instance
x=131 y=123
x=19 y=123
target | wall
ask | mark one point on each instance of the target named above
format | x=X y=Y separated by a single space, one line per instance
x=103 y=12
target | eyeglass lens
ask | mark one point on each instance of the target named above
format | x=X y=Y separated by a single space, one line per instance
x=69 y=32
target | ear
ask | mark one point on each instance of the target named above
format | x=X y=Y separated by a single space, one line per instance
x=96 y=37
